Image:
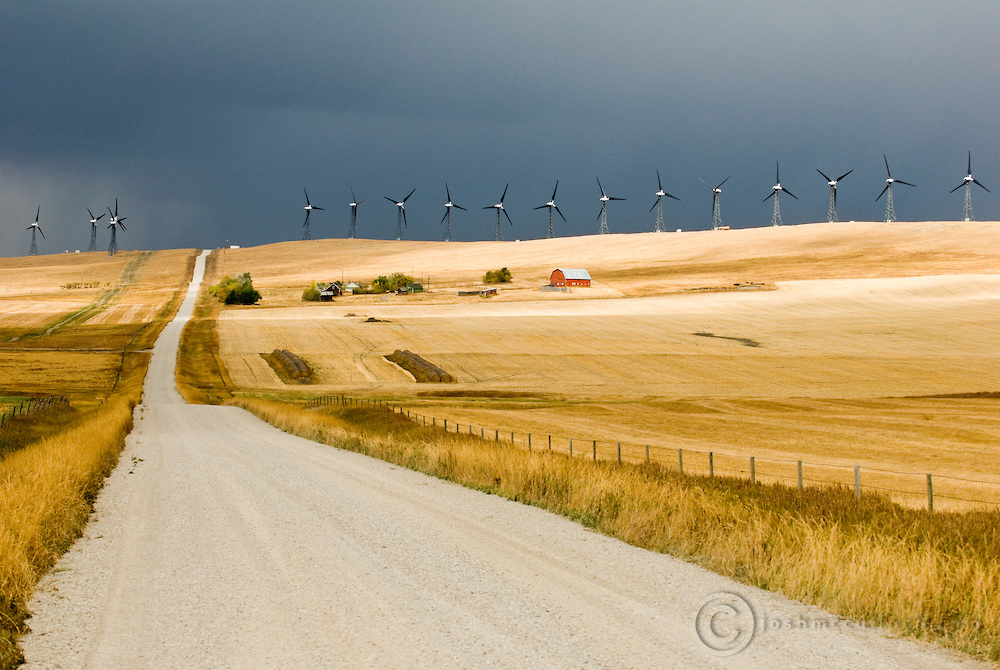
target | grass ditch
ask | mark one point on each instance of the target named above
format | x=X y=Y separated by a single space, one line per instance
x=929 y=576
x=201 y=375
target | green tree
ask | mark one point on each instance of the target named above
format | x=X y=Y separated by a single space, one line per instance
x=501 y=276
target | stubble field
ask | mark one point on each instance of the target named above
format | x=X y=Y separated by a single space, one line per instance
x=817 y=342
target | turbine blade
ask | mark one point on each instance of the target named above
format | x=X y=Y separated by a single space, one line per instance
x=445 y=216
x=307 y=195
x=447 y=191
x=554 y=190
x=489 y=207
x=404 y=211
x=90 y=212
x=957 y=187
x=40 y=231
x=845 y=174
x=507 y=215
x=603 y=195
x=976 y=182
x=319 y=208
x=504 y=193
x=672 y=196
x=122 y=224
x=408 y=197
x=390 y=199
x=616 y=198
x=769 y=196
x=459 y=207
x=887 y=166
x=882 y=193
x=704 y=182
x=37 y=212
x=900 y=181
x=789 y=192
x=970 y=161
x=541 y=206
x=353 y=197
x=655 y=204
x=658 y=182
x=561 y=214
x=777 y=173
x=724 y=181
x=824 y=176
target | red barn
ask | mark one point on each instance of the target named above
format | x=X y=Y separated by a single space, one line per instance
x=565 y=277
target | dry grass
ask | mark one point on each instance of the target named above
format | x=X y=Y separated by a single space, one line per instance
x=201 y=376
x=932 y=577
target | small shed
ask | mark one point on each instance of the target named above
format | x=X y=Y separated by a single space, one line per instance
x=329 y=292
x=569 y=277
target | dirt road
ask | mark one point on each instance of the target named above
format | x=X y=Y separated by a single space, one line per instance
x=222 y=542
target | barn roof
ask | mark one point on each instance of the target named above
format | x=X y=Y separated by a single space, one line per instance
x=574 y=273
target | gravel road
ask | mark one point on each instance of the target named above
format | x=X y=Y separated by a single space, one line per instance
x=220 y=542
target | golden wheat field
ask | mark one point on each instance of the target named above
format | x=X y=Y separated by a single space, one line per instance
x=811 y=342
x=66 y=318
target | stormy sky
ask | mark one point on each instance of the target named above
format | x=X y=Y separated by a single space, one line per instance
x=206 y=119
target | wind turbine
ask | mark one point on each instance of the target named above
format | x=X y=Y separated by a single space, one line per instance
x=967 y=183
x=93 y=229
x=603 y=216
x=716 y=213
x=34 y=227
x=890 y=212
x=352 y=233
x=498 y=234
x=831 y=212
x=446 y=219
x=551 y=204
x=306 y=235
x=775 y=190
x=400 y=213
x=659 y=203
x=113 y=224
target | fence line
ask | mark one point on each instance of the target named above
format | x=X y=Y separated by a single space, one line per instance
x=791 y=471
x=33 y=405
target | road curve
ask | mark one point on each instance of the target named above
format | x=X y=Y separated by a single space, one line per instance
x=220 y=542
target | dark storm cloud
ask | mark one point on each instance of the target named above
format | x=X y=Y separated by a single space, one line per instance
x=208 y=118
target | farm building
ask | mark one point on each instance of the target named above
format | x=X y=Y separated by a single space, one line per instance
x=567 y=277
x=328 y=293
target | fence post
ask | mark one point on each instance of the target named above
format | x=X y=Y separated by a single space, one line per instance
x=619 y=452
x=930 y=493
x=647 y=454
x=482 y=433
x=529 y=441
x=571 y=446
x=512 y=437
x=711 y=464
x=550 y=443
x=446 y=425
x=753 y=470
x=434 y=422
x=680 y=461
x=497 y=435
x=800 y=475
x=595 y=451
x=857 y=482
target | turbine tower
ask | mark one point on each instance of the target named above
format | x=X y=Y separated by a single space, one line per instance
x=831 y=212
x=659 y=204
x=498 y=233
x=716 y=213
x=890 y=211
x=400 y=214
x=603 y=216
x=306 y=235
x=93 y=229
x=775 y=190
x=352 y=233
x=35 y=228
x=551 y=204
x=113 y=224
x=967 y=183
x=446 y=219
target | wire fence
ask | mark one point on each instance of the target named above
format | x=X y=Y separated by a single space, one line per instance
x=915 y=489
x=33 y=405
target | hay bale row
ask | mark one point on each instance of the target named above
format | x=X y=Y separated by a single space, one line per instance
x=422 y=370
x=295 y=366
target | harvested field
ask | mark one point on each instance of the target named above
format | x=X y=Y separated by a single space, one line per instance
x=864 y=317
